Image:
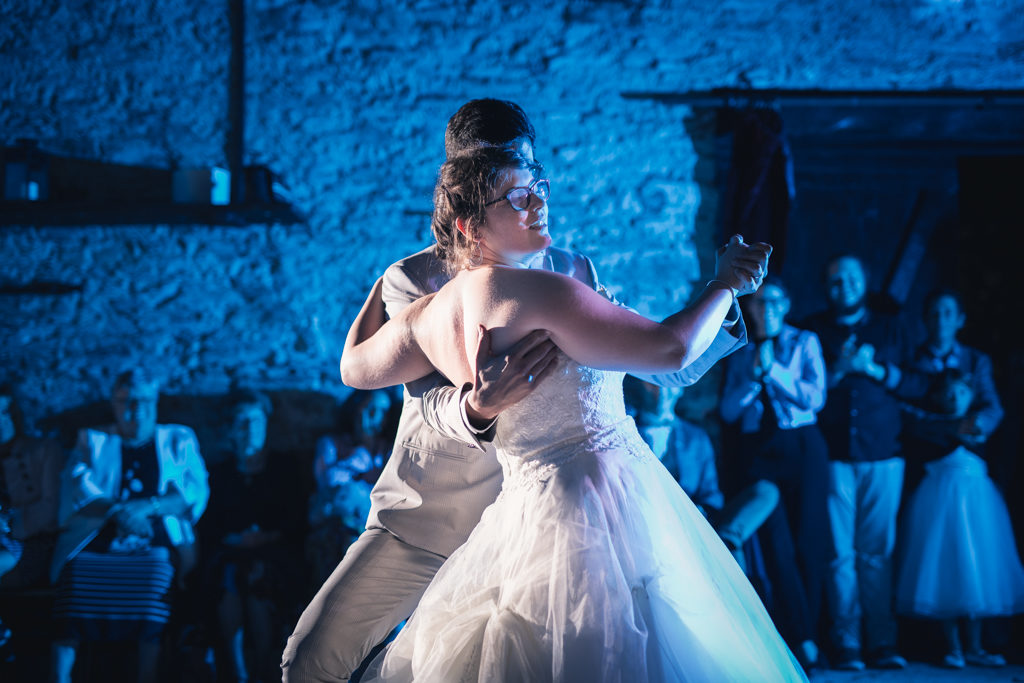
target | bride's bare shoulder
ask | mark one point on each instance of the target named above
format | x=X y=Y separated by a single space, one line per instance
x=520 y=281
x=520 y=292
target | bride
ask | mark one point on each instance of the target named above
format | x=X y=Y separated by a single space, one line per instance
x=592 y=565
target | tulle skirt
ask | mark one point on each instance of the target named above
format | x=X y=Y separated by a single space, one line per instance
x=958 y=557
x=597 y=570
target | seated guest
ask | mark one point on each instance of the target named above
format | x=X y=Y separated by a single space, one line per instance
x=345 y=468
x=29 y=495
x=10 y=553
x=131 y=493
x=774 y=388
x=685 y=450
x=252 y=541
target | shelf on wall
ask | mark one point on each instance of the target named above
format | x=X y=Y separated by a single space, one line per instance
x=40 y=288
x=65 y=214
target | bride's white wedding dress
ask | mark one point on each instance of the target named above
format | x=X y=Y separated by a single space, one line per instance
x=592 y=565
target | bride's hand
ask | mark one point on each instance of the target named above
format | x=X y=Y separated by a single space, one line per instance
x=503 y=380
x=742 y=266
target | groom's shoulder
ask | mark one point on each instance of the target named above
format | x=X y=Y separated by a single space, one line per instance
x=423 y=271
x=425 y=259
x=571 y=263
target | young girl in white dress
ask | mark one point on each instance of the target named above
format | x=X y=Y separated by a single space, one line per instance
x=959 y=561
x=592 y=565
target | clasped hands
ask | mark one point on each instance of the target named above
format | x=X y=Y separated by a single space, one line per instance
x=742 y=266
x=969 y=431
x=133 y=517
x=764 y=360
x=859 y=359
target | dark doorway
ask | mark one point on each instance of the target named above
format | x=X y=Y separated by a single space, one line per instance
x=988 y=273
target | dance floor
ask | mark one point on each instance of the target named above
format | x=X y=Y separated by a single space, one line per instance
x=918 y=672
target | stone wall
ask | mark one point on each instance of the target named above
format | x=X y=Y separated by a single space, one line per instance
x=347 y=102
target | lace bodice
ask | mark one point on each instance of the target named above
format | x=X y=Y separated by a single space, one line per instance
x=575 y=409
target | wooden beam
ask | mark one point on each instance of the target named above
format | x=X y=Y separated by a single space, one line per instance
x=812 y=97
x=930 y=208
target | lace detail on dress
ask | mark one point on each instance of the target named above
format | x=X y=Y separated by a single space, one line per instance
x=575 y=410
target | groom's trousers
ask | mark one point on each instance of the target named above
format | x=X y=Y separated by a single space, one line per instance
x=373 y=589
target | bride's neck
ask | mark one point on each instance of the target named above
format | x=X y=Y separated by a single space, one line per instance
x=492 y=258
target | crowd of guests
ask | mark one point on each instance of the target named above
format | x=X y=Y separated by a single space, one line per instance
x=146 y=543
x=853 y=489
x=858 y=457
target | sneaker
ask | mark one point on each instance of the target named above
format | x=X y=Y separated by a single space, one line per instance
x=888 y=658
x=982 y=658
x=953 y=660
x=849 y=660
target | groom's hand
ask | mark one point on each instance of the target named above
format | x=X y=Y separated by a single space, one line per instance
x=505 y=379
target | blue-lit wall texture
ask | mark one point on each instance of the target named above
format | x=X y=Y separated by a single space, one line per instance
x=347 y=101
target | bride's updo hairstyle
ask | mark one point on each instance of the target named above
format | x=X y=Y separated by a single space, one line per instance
x=465 y=183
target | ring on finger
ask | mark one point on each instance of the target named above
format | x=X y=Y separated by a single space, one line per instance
x=529 y=379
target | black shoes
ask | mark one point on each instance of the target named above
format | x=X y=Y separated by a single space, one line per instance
x=888 y=658
x=849 y=659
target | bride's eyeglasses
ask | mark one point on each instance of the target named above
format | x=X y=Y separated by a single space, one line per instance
x=519 y=197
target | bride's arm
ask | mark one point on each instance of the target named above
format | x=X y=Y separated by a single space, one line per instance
x=597 y=333
x=380 y=353
x=594 y=332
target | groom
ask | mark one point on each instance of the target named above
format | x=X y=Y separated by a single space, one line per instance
x=443 y=471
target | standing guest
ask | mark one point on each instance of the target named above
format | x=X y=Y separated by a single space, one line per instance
x=864 y=350
x=252 y=536
x=131 y=493
x=345 y=468
x=685 y=450
x=944 y=317
x=959 y=559
x=930 y=435
x=774 y=388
